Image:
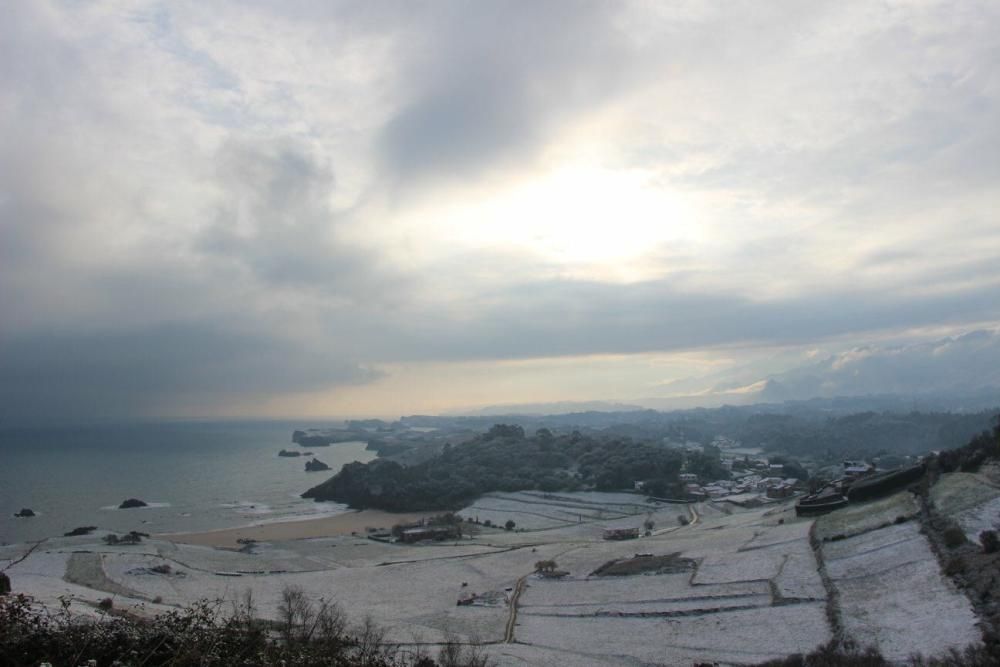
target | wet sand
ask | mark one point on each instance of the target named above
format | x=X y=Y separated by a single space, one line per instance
x=341 y=524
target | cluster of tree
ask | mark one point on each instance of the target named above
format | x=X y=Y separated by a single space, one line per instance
x=546 y=566
x=308 y=632
x=859 y=435
x=969 y=457
x=131 y=537
x=845 y=653
x=502 y=459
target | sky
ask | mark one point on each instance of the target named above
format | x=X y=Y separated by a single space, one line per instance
x=265 y=209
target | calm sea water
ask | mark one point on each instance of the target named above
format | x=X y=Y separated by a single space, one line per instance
x=195 y=476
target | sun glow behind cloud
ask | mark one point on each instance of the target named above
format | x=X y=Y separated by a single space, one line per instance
x=582 y=220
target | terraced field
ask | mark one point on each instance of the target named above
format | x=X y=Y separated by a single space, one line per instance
x=750 y=588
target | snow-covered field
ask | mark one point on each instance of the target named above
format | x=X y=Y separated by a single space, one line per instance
x=971 y=500
x=537 y=511
x=740 y=637
x=753 y=592
x=893 y=596
x=862 y=517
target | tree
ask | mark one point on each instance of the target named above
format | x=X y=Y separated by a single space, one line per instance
x=545 y=566
x=509 y=525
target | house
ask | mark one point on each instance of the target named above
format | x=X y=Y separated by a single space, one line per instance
x=716 y=491
x=695 y=491
x=857 y=468
x=429 y=533
x=780 y=491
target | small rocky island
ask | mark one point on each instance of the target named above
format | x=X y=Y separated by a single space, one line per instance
x=316 y=466
x=285 y=452
x=25 y=513
x=130 y=503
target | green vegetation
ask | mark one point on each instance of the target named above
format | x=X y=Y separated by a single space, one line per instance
x=503 y=459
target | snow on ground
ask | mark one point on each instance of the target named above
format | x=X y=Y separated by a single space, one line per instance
x=538 y=511
x=799 y=578
x=892 y=594
x=755 y=565
x=788 y=533
x=862 y=517
x=411 y=599
x=875 y=551
x=977 y=519
x=959 y=491
x=523 y=655
x=754 y=592
x=747 y=563
x=971 y=500
x=742 y=636
x=634 y=589
x=41 y=575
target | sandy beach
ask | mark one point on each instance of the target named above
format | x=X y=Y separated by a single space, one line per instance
x=341 y=524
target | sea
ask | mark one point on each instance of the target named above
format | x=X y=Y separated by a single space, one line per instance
x=195 y=476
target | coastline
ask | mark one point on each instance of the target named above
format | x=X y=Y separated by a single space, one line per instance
x=329 y=526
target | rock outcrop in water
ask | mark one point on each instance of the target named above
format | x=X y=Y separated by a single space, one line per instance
x=285 y=452
x=25 y=513
x=130 y=503
x=316 y=466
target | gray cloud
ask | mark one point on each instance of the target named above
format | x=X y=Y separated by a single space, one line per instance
x=956 y=365
x=193 y=200
x=491 y=82
x=566 y=318
x=276 y=221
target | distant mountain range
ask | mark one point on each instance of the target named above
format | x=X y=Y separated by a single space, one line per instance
x=954 y=373
x=555 y=408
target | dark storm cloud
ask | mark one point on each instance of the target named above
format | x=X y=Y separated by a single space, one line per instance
x=108 y=374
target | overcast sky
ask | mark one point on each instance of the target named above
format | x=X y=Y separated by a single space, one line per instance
x=376 y=208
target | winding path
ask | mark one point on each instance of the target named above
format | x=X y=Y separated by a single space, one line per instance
x=508 y=635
